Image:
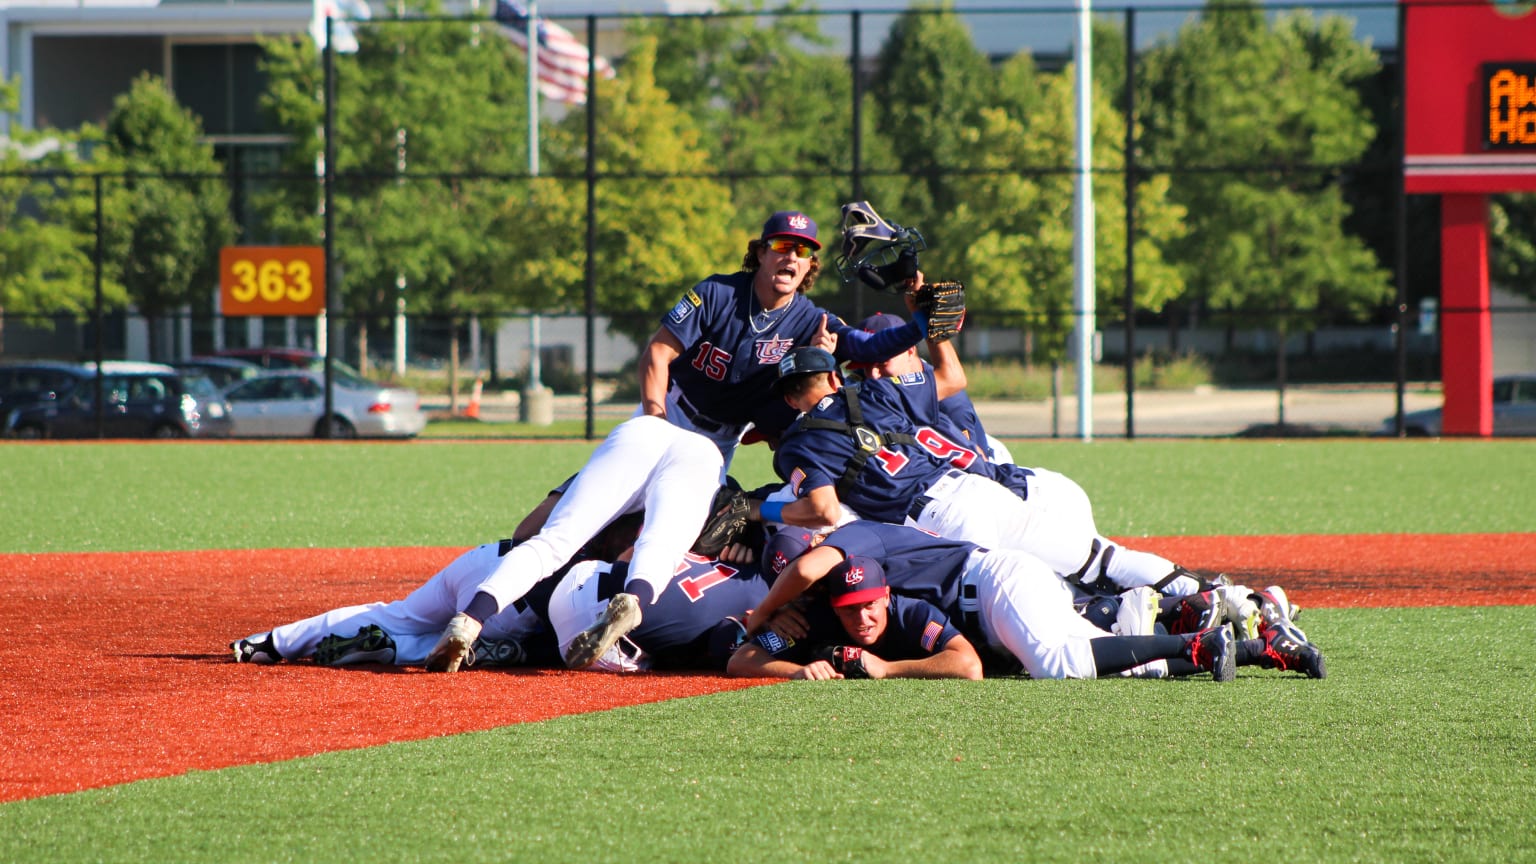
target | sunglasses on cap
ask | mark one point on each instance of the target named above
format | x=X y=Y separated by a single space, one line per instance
x=801 y=250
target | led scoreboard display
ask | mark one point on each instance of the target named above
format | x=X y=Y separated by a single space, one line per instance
x=1509 y=100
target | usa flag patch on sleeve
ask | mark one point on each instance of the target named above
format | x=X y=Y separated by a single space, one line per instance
x=931 y=635
x=685 y=306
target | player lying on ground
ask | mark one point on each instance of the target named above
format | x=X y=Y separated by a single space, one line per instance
x=1011 y=602
x=693 y=625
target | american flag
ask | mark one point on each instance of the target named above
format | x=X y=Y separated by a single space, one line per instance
x=562 y=59
x=343 y=11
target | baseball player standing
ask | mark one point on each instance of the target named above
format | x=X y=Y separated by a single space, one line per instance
x=710 y=365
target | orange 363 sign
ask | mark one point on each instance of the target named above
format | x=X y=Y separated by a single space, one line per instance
x=272 y=280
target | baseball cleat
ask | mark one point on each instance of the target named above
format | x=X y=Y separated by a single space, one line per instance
x=621 y=616
x=1276 y=608
x=1242 y=611
x=499 y=652
x=1137 y=613
x=256 y=648
x=1215 y=651
x=370 y=645
x=454 y=649
x=1287 y=649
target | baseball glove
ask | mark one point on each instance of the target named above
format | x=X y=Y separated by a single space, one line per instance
x=727 y=522
x=942 y=306
x=848 y=660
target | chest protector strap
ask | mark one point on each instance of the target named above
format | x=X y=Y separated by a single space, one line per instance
x=867 y=441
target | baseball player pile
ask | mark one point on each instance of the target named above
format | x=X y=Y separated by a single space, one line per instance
x=899 y=540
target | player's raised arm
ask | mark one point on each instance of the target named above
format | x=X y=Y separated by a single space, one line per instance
x=861 y=347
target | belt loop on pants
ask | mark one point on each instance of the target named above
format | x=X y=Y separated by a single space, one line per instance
x=970 y=596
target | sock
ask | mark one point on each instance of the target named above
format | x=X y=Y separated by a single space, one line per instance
x=1117 y=653
x=1250 y=652
x=1180 y=668
x=482 y=607
x=642 y=591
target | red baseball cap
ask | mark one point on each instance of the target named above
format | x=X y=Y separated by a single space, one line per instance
x=856 y=580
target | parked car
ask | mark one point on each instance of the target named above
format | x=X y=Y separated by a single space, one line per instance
x=1514 y=411
x=291 y=404
x=142 y=400
x=285 y=358
x=30 y=382
x=224 y=372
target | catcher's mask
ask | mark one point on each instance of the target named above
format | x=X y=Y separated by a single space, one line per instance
x=880 y=254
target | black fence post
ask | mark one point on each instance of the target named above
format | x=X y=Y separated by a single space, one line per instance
x=98 y=260
x=328 y=181
x=1130 y=223
x=591 y=267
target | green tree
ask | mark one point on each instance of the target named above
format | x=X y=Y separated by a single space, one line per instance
x=776 y=116
x=448 y=102
x=46 y=266
x=1512 y=236
x=930 y=87
x=656 y=235
x=1261 y=118
x=166 y=230
x=1013 y=232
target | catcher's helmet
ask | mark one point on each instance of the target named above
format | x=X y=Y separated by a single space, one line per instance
x=880 y=254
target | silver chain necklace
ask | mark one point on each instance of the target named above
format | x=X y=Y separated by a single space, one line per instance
x=770 y=317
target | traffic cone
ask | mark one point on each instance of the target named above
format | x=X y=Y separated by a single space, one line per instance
x=473 y=410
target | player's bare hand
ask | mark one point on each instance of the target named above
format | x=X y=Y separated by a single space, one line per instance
x=789 y=623
x=823 y=339
x=910 y=289
x=820 y=670
x=874 y=665
x=737 y=553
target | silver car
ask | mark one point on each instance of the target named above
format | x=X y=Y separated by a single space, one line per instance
x=1514 y=410
x=291 y=404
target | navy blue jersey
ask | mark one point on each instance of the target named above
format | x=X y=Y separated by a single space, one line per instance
x=808 y=459
x=701 y=594
x=961 y=413
x=731 y=349
x=916 y=562
x=914 y=630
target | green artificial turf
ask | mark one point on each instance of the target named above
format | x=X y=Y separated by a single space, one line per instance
x=1415 y=748
x=181 y=495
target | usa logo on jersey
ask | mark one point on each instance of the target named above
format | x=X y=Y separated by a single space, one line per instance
x=685 y=306
x=772 y=350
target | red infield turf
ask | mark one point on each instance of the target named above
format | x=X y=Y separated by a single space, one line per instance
x=115 y=666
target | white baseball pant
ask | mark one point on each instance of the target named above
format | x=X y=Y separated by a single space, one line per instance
x=644 y=463
x=574 y=606
x=416 y=621
x=1027 y=610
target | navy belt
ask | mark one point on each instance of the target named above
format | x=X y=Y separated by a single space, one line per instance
x=699 y=419
x=919 y=504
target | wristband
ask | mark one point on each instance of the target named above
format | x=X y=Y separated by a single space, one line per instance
x=772 y=511
x=921 y=320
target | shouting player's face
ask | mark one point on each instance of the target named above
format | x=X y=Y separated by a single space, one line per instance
x=865 y=622
x=783 y=264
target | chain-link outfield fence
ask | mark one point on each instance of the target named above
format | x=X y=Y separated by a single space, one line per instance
x=1250 y=227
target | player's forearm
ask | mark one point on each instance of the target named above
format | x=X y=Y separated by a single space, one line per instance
x=945 y=664
x=750 y=661
x=948 y=372
x=655 y=376
x=804 y=512
x=862 y=347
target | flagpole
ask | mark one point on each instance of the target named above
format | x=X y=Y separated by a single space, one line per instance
x=1083 y=296
x=534 y=372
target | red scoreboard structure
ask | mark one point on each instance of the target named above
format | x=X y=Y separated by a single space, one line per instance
x=1470 y=73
